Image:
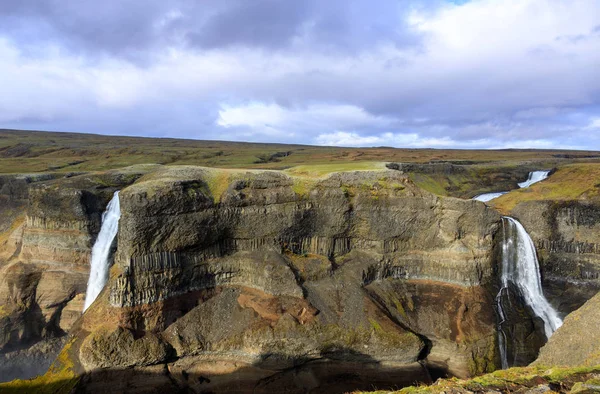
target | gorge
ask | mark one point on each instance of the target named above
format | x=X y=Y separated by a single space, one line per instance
x=253 y=280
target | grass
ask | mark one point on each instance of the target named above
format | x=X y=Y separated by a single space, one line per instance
x=571 y=182
x=322 y=170
x=35 y=151
x=510 y=380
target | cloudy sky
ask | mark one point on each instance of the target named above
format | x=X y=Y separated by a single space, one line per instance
x=429 y=73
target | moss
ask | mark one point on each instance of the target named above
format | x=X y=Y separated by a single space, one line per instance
x=376 y=326
x=400 y=308
x=3 y=311
x=59 y=379
x=218 y=182
x=513 y=380
x=429 y=184
x=302 y=186
x=483 y=363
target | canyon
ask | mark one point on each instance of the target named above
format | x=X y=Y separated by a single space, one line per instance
x=236 y=280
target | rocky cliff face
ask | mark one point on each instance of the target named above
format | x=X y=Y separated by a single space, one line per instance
x=49 y=228
x=253 y=281
x=257 y=281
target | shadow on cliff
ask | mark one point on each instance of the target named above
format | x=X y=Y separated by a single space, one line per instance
x=339 y=371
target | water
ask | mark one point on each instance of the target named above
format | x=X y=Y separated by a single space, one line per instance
x=520 y=268
x=533 y=177
x=101 y=250
x=488 y=196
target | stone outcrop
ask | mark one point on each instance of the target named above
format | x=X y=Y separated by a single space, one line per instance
x=577 y=342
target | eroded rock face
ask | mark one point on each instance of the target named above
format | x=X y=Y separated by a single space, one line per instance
x=119 y=348
x=167 y=226
x=264 y=282
x=286 y=289
x=44 y=255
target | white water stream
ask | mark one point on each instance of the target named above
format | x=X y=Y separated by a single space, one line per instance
x=534 y=177
x=520 y=268
x=101 y=250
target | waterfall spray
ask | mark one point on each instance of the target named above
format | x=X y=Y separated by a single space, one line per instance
x=101 y=250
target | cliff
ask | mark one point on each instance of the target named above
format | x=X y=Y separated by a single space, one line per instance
x=259 y=279
x=562 y=216
x=237 y=280
x=48 y=228
x=577 y=342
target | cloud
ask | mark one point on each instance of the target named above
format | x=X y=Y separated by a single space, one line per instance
x=594 y=124
x=273 y=119
x=484 y=73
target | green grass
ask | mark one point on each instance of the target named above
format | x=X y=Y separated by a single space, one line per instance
x=322 y=170
x=509 y=380
x=571 y=182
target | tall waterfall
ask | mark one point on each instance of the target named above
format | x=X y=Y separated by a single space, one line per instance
x=521 y=269
x=101 y=250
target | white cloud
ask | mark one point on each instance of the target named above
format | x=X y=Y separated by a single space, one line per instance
x=594 y=124
x=343 y=138
x=272 y=119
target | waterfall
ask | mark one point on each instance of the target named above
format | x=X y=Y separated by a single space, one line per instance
x=520 y=268
x=101 y=250
x=534 y=177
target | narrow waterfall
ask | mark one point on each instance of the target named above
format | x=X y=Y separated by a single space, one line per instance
x=101 y=250
x=520 y=268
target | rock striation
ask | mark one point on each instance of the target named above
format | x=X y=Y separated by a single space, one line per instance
x=271 y=280
x=254 y=281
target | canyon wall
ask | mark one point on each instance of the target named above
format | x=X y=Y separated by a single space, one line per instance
x=255 y=280
x=566 y=235
x=271 y=281
x=49 y=225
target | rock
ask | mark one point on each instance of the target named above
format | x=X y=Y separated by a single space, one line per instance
x=30 y=362
x=577 y=342
x=250 y=279
x=119 y=348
